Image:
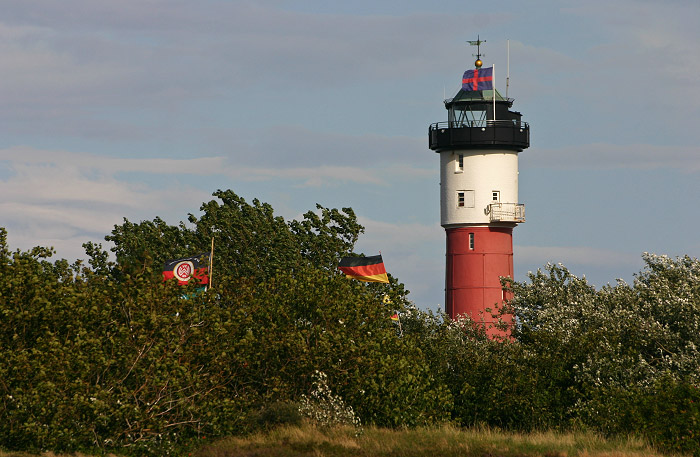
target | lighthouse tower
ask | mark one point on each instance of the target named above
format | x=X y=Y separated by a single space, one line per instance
x=479 y=207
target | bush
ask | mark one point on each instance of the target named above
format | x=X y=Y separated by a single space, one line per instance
x=278 y=413
x=666 y=413
x=620 y=360
x=107 y=357
x=324 y=408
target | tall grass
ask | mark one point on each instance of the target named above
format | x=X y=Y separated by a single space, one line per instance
x=445 y=441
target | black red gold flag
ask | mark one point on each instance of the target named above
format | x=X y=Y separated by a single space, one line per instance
x=370 y=269
x=185 y=269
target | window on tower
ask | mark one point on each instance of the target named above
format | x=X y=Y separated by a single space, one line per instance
x=460 y=163
x=496 y=196
x=471 y=241
x=465 y=199
x=467 y=116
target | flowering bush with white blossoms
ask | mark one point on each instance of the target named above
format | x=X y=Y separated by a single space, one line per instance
x=324 y=408
x=625 y=335
x=616 y=352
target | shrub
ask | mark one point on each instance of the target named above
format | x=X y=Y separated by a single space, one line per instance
x=324 y=408
x=278 y=413
x=667 y=413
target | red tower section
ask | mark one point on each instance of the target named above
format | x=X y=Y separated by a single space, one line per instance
x=477 y=257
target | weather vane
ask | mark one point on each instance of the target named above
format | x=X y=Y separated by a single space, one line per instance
x=478 y=63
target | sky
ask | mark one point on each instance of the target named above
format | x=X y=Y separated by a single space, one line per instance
x=142 y=108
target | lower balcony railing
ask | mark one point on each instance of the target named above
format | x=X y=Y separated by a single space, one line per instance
x=507 y=212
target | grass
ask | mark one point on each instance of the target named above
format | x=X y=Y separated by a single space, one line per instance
x=422 y=442
x=446 y=441
x=47 y=454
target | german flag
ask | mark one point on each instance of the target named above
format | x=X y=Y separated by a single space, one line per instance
x=370 y=269
x=185 y=269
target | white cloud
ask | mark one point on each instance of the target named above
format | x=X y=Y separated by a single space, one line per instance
x=412 y=252
x=648 y=54
x=576 y=255
x=400 y=236
x=61 y=195
x=82 y=55
x=63 y=199
x=601 y=156
x=34 y=159
x=303 y=146
x=321 y=176
x=71 y=175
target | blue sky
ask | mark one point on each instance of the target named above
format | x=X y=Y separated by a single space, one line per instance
x=140 y=109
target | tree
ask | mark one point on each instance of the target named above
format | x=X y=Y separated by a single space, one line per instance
x=250 y=241
x=611 y=355
x=108 y=356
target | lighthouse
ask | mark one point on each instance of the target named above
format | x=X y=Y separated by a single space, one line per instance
x=479 y=207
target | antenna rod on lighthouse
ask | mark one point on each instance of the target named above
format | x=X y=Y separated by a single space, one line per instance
x=494 y=93
x=507 y=67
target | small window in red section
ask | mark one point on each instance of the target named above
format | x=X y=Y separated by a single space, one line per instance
x=471 y=241
x=460 y=198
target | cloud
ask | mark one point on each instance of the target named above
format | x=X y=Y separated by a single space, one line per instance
x=322 y=176
x=401 y=236
x=575 y=255
x=412 y=252
x=64 y=199
x=61 y=195
x=29 y=158
x=601 y=156
x=295 y=145
x=84 y=55
x=66 y=174
x=646 y=53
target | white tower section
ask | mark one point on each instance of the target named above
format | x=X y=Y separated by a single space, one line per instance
x=477 y=187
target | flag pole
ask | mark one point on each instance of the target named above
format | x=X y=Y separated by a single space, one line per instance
x=493 y=75
x=507 y=67
x=211 y=262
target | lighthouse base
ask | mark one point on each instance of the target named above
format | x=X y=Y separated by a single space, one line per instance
x=477 y=257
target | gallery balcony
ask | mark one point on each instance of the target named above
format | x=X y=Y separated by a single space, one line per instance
x=507 y=134
x=506 y=212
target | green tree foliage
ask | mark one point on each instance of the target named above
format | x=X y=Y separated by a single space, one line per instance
x=251 y=242
x=107 y=356
x=620 y=360
x=623 y=359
